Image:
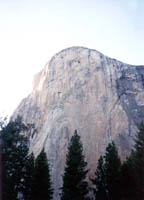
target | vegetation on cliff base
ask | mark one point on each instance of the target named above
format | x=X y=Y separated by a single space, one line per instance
x=23 y=177
x=41 y=184
x=29 y=179
x=14 y=156
x=107 y=175
x=125 y=181
x=75 y=185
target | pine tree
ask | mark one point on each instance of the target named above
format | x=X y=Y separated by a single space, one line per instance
x=3 y=122
x=139 y=163
x=14 y=154
x=112 y=170
x=41 y=184
x=128 y=178
x=75 y=186
x=100 y=181
x=28 y=177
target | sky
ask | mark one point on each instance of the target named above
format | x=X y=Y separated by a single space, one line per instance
x=32 y=31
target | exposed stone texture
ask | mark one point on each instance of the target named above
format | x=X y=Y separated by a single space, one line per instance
x=82 y=89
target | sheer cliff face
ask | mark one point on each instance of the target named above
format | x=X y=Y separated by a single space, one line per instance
x=82 y=89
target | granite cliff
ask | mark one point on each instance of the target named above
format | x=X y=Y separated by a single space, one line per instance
x=80 y=88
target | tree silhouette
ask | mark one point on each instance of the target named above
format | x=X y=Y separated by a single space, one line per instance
x=100 y=181
x=14 y=155
x=112 y=171
x=75 y=186
x=41 y=184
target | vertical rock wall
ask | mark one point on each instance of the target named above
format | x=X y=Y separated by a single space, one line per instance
x=82 y=89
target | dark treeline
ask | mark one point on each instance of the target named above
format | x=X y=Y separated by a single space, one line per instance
x=23 y=176
x=27 y=177
x=122 y=181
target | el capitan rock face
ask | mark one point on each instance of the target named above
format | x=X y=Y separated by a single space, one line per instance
x=82 y=89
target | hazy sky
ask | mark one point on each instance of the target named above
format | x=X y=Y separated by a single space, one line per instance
x=32 y=31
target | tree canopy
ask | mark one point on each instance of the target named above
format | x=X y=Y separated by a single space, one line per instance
x=41 y=184
x=75 y=186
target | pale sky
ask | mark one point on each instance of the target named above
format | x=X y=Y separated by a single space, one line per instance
x=32 y=31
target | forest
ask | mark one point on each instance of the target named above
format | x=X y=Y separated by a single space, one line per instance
x=27 y=177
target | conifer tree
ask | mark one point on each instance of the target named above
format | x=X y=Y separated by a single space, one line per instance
x=139 y=163
x=75 y=186
x=28 y=177
x=3 y=122
x=14 y=154
x=100 y=181
x=41 y=184
x=128 y=178
x=112 y=170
